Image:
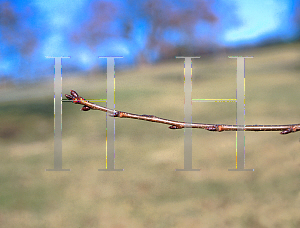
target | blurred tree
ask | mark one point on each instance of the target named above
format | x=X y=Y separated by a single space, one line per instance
x=99 y=25
x=15 y=31
x=174 y=18
x=18 y=42
x=160 y=29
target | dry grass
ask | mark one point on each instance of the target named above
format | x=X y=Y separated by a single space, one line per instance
x=149 y=193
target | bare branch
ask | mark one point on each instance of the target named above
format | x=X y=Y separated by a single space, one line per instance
x=285 y=129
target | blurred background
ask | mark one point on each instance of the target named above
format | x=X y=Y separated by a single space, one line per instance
x=143 y=32
x=149 y=80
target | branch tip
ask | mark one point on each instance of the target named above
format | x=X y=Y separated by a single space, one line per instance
x=73 y=93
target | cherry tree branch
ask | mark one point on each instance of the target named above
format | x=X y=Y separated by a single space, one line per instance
x=285 y=129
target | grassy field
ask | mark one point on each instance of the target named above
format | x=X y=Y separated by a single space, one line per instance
x=149 y=193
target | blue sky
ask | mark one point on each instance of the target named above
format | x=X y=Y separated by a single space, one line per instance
x=257 y=21
x=260 y=20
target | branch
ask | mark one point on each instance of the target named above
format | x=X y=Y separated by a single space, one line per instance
x=285 y=129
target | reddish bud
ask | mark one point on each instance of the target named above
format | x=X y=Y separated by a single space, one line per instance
x=174 y=127
x=85 y=108
x=69 y=97
x=73 y=93
x=289 y=130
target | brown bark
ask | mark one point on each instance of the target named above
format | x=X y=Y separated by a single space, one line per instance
x=285 y=129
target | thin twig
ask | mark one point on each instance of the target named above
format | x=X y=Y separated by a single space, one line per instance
x=285 y=129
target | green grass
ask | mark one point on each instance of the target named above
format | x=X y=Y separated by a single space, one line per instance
x=149 y=193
